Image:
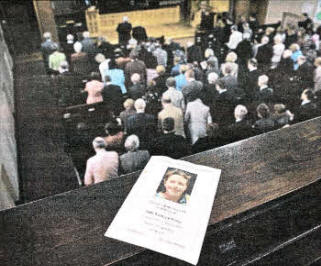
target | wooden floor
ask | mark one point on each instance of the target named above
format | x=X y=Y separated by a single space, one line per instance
x=176 y=31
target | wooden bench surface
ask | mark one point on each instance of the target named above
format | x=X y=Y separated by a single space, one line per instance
x=68 y=229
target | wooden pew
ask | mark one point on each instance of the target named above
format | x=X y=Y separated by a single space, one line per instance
x=82 y=123
x=267 y=205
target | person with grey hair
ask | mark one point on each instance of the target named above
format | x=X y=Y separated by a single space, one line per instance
x=141 y=124
x=241 y=128
x=137 y=90
x=103 y=165
x=68 y=46
x=79 y=60
x=134 y=159
x=124 y=29
x=265 y=94
x=88 y=45
x=47 y=48
x=177 y=98
x=235 y=38
x=209 y=91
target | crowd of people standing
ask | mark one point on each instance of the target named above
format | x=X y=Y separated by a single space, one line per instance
x=235 y=81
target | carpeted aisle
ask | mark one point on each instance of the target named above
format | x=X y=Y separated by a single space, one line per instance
x=44 y=167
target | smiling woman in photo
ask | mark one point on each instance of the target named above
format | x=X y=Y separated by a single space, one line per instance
x=176 y=183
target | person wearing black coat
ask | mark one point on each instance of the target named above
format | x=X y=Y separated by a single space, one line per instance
x=251 y=81
x=308 y=109
x=112 y=96
x=265 y=93
x=305 y=74
x=264 y=53
x=265 y=122
x=241 y=128
x=224 y=104
x=170 y=144
x=124 y=30
x=194 y=53
x=142 y=125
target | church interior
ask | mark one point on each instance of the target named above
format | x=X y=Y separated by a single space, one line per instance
x=267 y=209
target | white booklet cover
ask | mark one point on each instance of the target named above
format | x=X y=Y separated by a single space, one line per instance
x=168 y=208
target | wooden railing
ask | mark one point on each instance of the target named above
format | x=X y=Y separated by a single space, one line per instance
x=267 y=200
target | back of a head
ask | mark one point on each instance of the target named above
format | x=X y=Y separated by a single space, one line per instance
x=112 y=128
x=129 y=104
x=86 y=34
x=77 y=47
x=99 y=143
x=168 y=124
x=309 y=94
x=220 y=84
x=208 y=52
x=279 y=108
x=231 y=57
x=160 y=69
x=135 y=78
x=294 y=47
x=64 y=65
x=240 y=111
x=99 y=58
x=140 y=105
x=278 y=39
x=317 y=61
x=131 y=143
x=95 y=76
x=227 y=69
x=47 y=35
x=263 y=110
x=263 y=80
x=234 y=28
x=171 y=82
x=212 y=78
x=253 y=62
x=70 y=37
x=125 y=19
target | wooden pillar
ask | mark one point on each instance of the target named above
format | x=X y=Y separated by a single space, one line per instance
x=241 y=8
x=46 y=18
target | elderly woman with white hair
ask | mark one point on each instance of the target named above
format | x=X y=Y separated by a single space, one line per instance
x=79 y=60
x=137 y=90
x=134 y=159
x=278 y=49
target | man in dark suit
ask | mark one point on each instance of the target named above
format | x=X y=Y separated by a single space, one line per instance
x=225 y=100
x=112 y=96
x=252 y=79
x=305 y=74
x=142 y=125
x=194 y=53
x=264 y=53
x=124 y=30
x=265 y=94
x=135 y=66
x=241 y=128
x=308 y=109
x=168 y=143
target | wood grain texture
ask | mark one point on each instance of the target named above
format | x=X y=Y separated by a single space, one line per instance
x=67 y=229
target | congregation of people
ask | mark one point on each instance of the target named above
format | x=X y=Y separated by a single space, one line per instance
x=235 y=81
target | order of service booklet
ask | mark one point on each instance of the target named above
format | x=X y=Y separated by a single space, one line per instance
x=168 y=208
